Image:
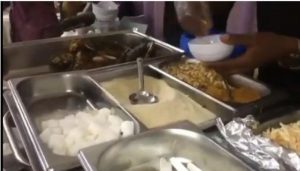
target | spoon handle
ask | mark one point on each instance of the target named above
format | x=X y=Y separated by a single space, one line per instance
x=140 y=66
x=149 y=50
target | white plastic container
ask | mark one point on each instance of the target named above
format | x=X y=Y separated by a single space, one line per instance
x=209 y=48
x=105 y=11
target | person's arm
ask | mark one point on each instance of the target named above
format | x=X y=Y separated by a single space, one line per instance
x=5 y=5
x=33 y=20
x=198 y=18
x=262 y=48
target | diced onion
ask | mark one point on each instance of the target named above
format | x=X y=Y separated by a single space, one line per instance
x=83 y=129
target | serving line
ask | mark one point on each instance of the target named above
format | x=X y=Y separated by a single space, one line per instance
x=40 y=158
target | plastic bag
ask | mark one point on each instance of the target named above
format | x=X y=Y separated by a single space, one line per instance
x=194 y=17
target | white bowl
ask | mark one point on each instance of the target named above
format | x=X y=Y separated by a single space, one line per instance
x=105 y=11
x=209 y=48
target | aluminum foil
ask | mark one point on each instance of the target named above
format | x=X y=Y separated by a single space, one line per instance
x=269 y=156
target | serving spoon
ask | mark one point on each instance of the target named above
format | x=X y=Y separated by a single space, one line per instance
x=142 y=96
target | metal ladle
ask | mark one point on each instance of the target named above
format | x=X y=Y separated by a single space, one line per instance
x=228 y=88
x=142 y=96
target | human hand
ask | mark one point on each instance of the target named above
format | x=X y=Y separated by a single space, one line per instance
x=262 y=48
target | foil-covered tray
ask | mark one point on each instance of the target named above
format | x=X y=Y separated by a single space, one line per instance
x=245 y=139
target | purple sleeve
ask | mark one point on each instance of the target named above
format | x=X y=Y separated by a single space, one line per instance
x=33 y=20
x=242 y=18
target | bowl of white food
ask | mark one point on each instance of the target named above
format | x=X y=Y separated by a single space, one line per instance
x=105 y=11
x=209 y=48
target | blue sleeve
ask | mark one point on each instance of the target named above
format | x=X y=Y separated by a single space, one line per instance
x=184 y=40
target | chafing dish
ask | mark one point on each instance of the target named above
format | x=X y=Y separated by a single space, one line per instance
x=119 y=72
x=33 y=57
x=174 y=141
x=287 y=118
x=270 y=96
x=36 y=97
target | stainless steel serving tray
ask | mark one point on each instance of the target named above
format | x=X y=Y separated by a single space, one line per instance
x=275 y=123
x=131 y=70
x=174 y=141
x=29 y=158
x=270 y=96
x=287 y=118
x=9 y=160
x=38 y=96
x=33 y=57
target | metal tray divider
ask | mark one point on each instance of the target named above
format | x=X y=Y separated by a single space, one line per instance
x=159 y=41
x=32 y=133
x=119 y=105
x=21 y=126
x=141 y=126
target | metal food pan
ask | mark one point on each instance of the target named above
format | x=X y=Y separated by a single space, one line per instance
x=10 y=162
x=39 y=96
x=236 y=80
x=175 y=141
x=275 y=123
x=33 y=57
x=269 y=97
x=29 y=158
x=287 y=118
x=131 y=70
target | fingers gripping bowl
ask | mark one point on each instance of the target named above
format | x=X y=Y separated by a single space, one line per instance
x=209 y=48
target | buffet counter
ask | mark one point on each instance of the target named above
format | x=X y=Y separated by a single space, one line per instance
x=68 y=100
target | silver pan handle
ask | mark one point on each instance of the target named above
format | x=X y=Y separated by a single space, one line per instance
x=4 y=86
x=11 y=138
